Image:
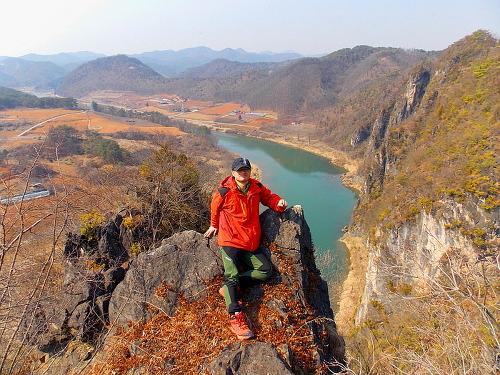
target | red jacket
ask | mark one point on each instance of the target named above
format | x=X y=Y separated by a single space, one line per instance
x=236 y=215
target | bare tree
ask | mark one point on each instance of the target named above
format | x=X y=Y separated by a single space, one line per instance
x=30 y=231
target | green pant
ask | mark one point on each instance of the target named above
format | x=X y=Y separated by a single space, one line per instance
x=242 y=267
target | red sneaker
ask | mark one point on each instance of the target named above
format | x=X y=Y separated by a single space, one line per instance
x=239 y=326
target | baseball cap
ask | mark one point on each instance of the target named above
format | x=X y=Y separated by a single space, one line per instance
x=241 y=163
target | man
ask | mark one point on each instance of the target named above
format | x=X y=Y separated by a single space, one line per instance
x=235 y=220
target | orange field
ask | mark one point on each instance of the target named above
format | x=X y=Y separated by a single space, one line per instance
x=79 y=120
x=197 y=116
x=224 y=109
x=32 y=115
x=197 y=103
x=163 y=110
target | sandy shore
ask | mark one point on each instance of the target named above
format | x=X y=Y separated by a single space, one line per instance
x=337 y=157
x=353 y=286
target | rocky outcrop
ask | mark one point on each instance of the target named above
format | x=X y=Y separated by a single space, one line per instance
x=258 y=358
x=183 y=261
x=412 y=255
x=182 y=266
x=409 y=254
x=378 y=157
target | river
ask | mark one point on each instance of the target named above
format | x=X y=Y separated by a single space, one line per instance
x=308 y=180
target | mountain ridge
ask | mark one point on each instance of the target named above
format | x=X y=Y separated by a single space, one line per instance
x=169 y=63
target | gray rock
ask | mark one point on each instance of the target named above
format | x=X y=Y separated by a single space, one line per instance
x=258 y=358
x=181 y=266
x=183 y=262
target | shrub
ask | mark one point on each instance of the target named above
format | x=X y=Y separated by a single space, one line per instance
x=89 y=223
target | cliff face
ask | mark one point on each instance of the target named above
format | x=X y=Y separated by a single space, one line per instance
x=421 y=203
x=415 y=255
x=161 y=311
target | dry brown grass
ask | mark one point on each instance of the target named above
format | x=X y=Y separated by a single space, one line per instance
x=197 y=116
x=224 y=109
x=91 y=121
x=163 y=110
x=33 y=115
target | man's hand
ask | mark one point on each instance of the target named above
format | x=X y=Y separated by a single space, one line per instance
x=282 y=203
x=211 y=231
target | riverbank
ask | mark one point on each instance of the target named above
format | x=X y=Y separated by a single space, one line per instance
x=353 y=285
x=339 y=158
x=350 y=179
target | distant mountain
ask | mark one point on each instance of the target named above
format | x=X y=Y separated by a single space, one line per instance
x=6 y=80
x=171 y=63
x=67 y=60
x=305 y=85
x=118 y=72
x=295 y=88
x=221 y=68
x=17 y=72
x=168 y=63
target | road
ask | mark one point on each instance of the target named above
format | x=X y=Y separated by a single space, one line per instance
x=41 y=123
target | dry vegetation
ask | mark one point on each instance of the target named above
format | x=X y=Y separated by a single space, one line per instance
x=157 y=346
x=32 y=233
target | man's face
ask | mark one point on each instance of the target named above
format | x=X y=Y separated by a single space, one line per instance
x=242 y=175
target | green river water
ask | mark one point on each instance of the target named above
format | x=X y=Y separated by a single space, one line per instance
x=308 y=180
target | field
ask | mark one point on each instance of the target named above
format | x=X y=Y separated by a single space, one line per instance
x=41 y=120
x=219 y=115
x=21 y=127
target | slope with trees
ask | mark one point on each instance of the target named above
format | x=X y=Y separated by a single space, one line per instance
x=428 y=216
x=117 y=73
x=10 y=98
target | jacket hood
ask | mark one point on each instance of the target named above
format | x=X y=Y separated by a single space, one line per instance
x=228 y=182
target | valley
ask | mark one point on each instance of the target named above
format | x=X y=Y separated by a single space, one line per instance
x=417 y=132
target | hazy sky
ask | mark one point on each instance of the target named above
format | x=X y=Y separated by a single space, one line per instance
x=307 y=26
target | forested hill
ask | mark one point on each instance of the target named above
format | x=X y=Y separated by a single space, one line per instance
x=18 y=72
x=223 y=68
x=118 y=72
x=296 y=88
x=308 y=85
x=428 y=213
x=438 y=139
x=10 y=98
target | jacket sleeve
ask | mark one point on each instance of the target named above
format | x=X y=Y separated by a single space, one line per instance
x=269 y=199
x=215 y=208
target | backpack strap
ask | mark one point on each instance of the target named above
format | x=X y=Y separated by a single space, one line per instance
x=223 y=191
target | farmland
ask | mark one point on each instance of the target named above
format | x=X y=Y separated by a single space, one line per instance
x=224 y=116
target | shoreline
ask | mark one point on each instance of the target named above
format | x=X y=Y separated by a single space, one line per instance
x=336 y=157
x=353 y=286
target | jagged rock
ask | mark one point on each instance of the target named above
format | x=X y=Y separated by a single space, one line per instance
x=182 y=266
x=289 y=230
x=182 y=262
x=110 y=245
x=258 y=358
x=92 y=271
